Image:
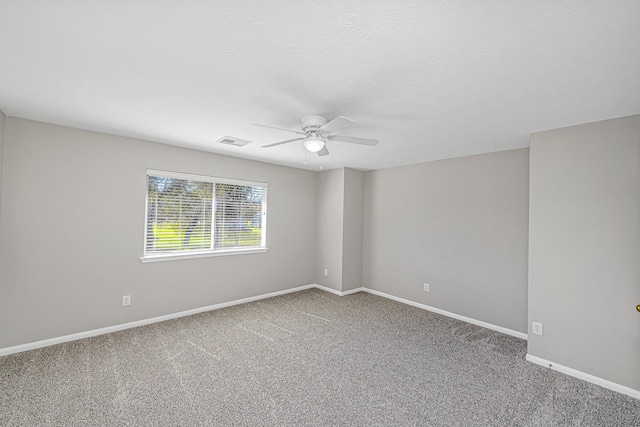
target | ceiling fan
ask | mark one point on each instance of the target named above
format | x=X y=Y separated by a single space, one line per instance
x=316 y=130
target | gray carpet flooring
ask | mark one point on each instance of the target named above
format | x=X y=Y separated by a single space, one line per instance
x=307 y=358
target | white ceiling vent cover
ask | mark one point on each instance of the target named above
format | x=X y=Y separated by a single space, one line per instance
x=231 y=140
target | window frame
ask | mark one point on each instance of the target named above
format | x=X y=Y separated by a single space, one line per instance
x=191 y=253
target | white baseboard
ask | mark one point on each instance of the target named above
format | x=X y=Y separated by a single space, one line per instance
x=584 y=376
x=534 y=359
x=501 y=329
x=339 y=293
x=94 y=332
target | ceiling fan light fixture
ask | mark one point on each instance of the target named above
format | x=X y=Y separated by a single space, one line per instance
x=313 y=144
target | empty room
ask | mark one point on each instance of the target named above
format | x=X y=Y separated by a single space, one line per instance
x=321 y=213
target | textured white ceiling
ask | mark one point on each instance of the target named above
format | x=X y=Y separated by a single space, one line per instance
x=430 y=79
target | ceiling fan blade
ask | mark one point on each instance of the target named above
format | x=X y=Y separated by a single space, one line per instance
x=336 y=124
x=324 y=151
x=353 y=139
x=283 y=142
x=275 y=127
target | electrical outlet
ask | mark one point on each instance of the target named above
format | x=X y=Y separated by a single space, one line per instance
x=536 y=328
x=326 y=272
x=426 y=287
x=126 y=300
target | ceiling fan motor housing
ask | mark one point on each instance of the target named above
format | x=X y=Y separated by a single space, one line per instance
x=310 y=123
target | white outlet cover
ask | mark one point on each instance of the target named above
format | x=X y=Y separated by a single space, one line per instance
x=426 y=287
x=536 y=328
x=126 y=300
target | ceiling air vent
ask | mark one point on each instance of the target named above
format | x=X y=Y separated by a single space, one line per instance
x=232 y=140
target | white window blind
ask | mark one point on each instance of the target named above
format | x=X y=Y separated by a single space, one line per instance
x=195 y=214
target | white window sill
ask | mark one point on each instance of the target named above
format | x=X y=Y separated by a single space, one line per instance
x=225 y=252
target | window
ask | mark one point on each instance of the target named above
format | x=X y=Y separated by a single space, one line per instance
x=193 y=215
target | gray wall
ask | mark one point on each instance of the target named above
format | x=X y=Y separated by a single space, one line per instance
x=352 y=229
x=71 y=233
x=461 y=226
x=584 y=268
x=2 y=119
x=339 y=228
x=330 y=228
